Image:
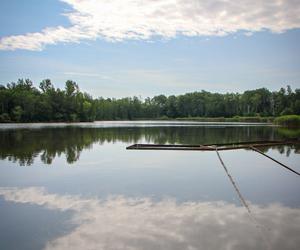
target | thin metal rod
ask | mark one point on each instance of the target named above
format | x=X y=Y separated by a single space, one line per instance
x=243 y=201
x=245 y=204
x=285 y=166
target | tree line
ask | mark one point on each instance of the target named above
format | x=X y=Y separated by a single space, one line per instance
x=23 y=102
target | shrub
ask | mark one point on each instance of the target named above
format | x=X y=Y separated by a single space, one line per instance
x=5 y=118
x=288 y=120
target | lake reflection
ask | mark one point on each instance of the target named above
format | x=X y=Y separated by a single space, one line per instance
x=84 y=190
x=23 y=144
x=124 y=223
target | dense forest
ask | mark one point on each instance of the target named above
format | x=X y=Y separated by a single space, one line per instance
x=23 y=102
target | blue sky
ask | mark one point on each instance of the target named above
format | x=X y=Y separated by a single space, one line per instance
x=124 y=48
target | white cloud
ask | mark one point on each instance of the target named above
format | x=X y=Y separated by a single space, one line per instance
x=124 y=223
x=117 y=20
x=87 y=74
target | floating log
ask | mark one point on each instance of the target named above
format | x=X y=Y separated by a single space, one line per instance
x=220 y=147
x=212 y=147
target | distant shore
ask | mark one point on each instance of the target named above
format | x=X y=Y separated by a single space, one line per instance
x=250 y=119
x=292 y=121
x=286 y=120
x=183 y=119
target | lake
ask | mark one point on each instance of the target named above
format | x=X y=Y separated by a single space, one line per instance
x=75 y=186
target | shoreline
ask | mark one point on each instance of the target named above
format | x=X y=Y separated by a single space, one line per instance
x=131 y=124
x=281 y=121
x=192 y=119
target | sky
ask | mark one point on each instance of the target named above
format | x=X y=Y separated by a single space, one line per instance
x=143 y=48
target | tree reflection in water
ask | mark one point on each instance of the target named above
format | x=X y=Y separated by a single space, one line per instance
x=24 y=145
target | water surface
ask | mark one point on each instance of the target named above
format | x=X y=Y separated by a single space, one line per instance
x=75 y=186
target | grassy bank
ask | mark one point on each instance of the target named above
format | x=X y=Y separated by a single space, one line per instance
x=229 y=119
x=288 y=121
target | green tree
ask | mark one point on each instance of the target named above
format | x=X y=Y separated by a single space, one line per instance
x=17 y=113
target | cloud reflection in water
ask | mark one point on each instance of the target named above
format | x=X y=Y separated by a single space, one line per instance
x=127 y=223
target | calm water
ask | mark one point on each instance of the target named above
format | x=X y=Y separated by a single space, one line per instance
x=77 y=187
